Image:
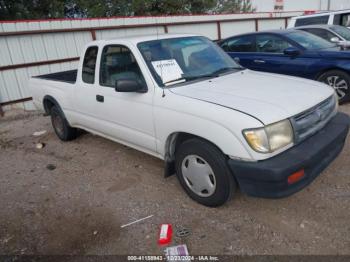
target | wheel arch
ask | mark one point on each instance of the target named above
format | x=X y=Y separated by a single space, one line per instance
x=319 y=74
x=49 y=102
x=172 y=142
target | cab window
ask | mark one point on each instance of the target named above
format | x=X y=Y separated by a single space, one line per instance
x=117 y=63
x=323 y=33
x=345 y=20
x=271 y=44
x=89 y=65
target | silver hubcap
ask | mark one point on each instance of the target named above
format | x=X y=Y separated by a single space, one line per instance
x=339 y=84
x=198 y=175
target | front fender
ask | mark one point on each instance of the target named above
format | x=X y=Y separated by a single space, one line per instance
x=219 y=125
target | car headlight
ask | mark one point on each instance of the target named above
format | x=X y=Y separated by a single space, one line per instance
x=271 y=137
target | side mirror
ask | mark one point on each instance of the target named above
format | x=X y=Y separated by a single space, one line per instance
x=335 y=40
x=129 y=85
x=291 y=51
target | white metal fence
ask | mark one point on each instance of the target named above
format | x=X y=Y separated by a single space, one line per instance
x=39 y=47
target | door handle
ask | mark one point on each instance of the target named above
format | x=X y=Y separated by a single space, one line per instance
x=100 y=98
x=258 y=61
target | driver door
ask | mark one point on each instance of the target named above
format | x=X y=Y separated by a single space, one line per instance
x=122 y=116
x=125 y=116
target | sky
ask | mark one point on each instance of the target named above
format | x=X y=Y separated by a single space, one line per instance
x=296 y=5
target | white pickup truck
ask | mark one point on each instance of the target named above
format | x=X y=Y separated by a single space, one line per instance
x=215 y=124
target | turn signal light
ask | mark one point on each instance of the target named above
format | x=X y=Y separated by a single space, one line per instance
x=295 y=177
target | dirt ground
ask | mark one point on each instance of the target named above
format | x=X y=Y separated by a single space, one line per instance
x=72 y=198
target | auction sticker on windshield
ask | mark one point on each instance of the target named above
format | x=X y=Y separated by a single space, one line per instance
x=168 y=70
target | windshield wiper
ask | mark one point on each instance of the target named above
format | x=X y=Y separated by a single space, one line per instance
x=186 y=78
x=224 y=70
x=213 y=74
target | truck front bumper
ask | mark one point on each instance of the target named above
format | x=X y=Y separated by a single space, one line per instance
x=269 y=178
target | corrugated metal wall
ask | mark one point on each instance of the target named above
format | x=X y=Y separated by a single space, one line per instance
x=33 y=47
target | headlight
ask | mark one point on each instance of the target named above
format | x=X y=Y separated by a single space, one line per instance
x=270 y=138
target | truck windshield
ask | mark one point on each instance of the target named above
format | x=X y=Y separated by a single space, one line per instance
x=310 y=41
x=185 y=59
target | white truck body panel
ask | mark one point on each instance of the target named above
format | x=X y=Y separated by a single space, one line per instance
x=268 y=97
x=217 y=110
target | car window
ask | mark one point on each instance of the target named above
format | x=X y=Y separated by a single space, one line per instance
x=323 y=33
x=118 y=62
x=271 y=44
x=342 y=31
x=344 y=20
x=312 y=20
x=337 y=19
x=89 y=65
x=240 y=44
x=309 y=41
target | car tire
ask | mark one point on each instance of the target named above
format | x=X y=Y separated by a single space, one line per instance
x=61 y=126
x=340 y=81
x=203 y=172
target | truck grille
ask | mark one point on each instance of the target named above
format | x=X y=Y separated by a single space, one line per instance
x=310 y=121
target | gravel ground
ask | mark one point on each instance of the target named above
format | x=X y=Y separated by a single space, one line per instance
x=72 y=198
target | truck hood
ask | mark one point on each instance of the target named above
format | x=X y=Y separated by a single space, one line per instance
x=267 y=97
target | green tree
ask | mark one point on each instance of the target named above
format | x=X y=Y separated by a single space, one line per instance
x=171 y=7
x=35 y=9
x=41 y=9
x=234 y=6
x=101 y=8
x=201 y=6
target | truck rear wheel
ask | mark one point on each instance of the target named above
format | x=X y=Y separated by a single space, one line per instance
x=203 y=172
x=61 y=126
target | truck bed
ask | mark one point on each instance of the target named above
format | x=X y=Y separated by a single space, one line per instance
x=69 y=76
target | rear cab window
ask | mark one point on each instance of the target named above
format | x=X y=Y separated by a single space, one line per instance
x=89 y=65
x=323 y=19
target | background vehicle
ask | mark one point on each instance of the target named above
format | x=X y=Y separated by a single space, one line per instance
x=331 y=18
x=336 y=34
x=182 y=99
x=293 y=52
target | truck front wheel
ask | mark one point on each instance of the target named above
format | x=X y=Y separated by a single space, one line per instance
x=61 y=126
x=203 y=172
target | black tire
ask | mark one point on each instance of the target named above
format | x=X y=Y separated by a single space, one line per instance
x=224 y=180
x=61 y=126
x=343 y=93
